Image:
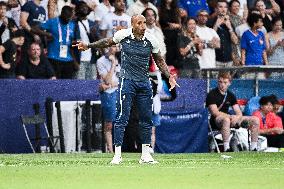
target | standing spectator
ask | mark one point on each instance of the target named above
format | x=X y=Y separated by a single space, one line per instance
x=101 y=10
x=218 y=102
x=32 y=14
x=7 y=25
x=87 y=31
x=60 y=31
x=275 y=45
x=15 y=10
x=108 y=69
x=55 y=7
x=192 y=7
x=190 y=46
x=223 y=26
x=154 y=30
x=270 y=124
x=210 y=39
x=267 y=14
x=139 y=6
x=170 y=22
x=35 y=66
x=8 y=54
x=114 y=21
x=253 y=43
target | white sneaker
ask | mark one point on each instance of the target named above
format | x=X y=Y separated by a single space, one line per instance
x=151 y=150
x=147 y=159
x=116 y=160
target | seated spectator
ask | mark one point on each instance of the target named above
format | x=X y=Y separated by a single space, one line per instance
x=35 y=66
x=190 y=45
x=275 y=46
x=253 y=43
x=218 y=102
x=8 y=54
x=7 y=25
x=270 y=124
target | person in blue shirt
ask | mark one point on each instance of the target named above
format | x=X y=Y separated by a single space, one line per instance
x=253 y=43
x=193 y=6
x=60 y=32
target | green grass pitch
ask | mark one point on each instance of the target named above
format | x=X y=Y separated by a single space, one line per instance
x=252 y=170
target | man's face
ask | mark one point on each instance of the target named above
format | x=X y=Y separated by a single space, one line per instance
x=222 y=8
x=139 y=25
x=223 y=84
x=150 y=17
x=34 y=51
x=119 y=5
x=260 y=6
x=202 y=18
x=3 y=10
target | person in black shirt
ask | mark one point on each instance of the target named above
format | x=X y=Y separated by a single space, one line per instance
x=8 y=54
x=218 y=102
x=35 y=66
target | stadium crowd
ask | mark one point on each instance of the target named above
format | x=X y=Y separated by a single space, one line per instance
x=36 y=37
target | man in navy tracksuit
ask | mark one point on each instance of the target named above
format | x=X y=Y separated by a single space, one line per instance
x=136 y=47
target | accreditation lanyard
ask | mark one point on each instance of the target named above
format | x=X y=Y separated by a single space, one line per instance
x=60 y=33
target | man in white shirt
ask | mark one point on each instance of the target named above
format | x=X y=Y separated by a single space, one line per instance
x=112 y=22
x=210 y=39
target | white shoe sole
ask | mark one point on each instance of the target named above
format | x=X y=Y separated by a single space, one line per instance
x=142 y=161
x=116 y=162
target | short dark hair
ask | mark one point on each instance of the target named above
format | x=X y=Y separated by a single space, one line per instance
x=232 y=1
x=147 y=9
x=253 y=18
x=18 y=33
x=264 y=100
x=3 y=3
x=273 y=99
x=275 y=19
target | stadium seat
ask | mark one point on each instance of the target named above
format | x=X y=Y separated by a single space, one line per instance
x=38 y=121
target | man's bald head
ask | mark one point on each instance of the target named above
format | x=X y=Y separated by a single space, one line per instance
x=138 y=23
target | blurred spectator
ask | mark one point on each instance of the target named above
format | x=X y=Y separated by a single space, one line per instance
x=35 y=66
x=114 y=21
x=244 y=27
x=270 y=124
x=218 y=102
x=15 y=10
x=102 y=9
x=236 y=20
x=108 y=69
x=275 y=45
x=151 y=24
x=169 y=18
x=8 y=53
x=61 y=33
x=223 y=26
x=32 y=14
x=7 y=25
x=190 y=46
x=139 y=6
x=253 y=43
x=210 y=39
x=267 y=14
x=55 y=7
x=192 y=6
x=87 y=31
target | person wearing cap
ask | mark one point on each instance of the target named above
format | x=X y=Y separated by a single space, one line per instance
x=8 y=54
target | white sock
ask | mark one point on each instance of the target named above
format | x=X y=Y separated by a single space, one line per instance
x=253 y=145
x=145 y=149
x=117 y=151
x=226 y=146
